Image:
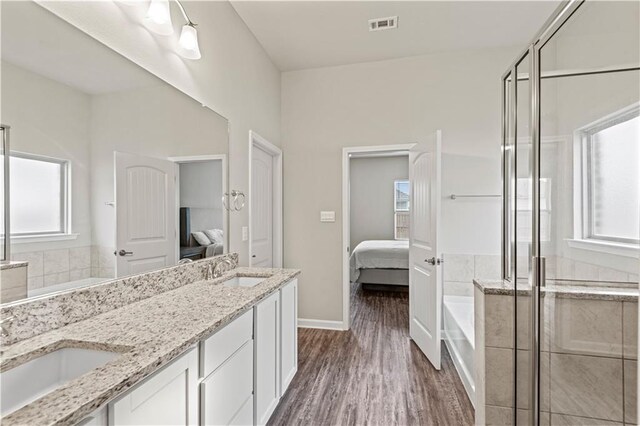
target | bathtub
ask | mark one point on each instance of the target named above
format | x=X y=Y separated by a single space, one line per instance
x=460 y=339
x=70 y=285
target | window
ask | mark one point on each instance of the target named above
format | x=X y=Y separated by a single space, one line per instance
x=610 y=179
x=38 y=195
x=401 y=205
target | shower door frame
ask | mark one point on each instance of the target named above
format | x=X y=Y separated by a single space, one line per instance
x=509 y=270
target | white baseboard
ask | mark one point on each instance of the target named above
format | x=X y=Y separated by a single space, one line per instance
x=326 y=325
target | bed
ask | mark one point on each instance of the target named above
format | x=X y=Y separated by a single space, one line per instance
x=190 y=247
x=380 y=262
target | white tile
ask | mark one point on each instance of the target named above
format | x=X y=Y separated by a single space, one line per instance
x=35 y=283
x=630 y=391
x=487 y=267
x=79 y=274
x=498 y=416
x=564 y=420
x=586 y=327
x=587 y=386
x=458 y=267
x=586 y=271
x=565 y=268
x=56 y=261
x=95 y=256
x=53 y=279
x=106 y=258
x=79 y=258
x=106 y=273
x=14 y=278
x=499 y=376
x=498 y=321
x=452 y=288
x=36 y=262
x=611 y=275
x=630 y=329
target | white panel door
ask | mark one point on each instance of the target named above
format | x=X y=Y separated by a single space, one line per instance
x=267 y=358
x=145 y=213
x=168 y=397
x=425 y=280
x=288 y=334
x=261 y=208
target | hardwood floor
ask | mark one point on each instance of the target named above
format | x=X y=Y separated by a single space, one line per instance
x=372 y=374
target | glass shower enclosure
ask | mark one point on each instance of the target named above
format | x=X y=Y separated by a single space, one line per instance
x=571 y=215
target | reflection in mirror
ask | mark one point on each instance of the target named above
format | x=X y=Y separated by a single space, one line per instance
x=590 y=146
x=113 y=172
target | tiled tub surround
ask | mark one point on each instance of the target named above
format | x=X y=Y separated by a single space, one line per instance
x=461 y=269
x=149 y=334
x=588 y=360
x=13 y=281
x=52 y=267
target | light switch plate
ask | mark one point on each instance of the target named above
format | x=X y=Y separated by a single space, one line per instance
x=245 y=233
x=327 y=216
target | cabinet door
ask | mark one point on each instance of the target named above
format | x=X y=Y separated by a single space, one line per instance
x=226 y=392
x=267 y=357
x=288 y=334
x=168 y=397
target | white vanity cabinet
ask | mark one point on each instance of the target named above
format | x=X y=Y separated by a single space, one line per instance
x=288 y=334
x=226 y=360
x=267 y=357
x=168 y=397
x=234 y=377
x=276 y=349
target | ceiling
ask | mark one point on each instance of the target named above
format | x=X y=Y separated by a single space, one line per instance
x=35 y=39
x=311 y=34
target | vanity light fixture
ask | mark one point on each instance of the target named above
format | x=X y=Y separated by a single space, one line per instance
x=158 y=20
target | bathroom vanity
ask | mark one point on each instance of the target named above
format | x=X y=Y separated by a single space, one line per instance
x=219 y=351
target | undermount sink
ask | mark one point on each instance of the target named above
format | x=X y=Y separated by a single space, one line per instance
x=243 y=281
x=27 y=382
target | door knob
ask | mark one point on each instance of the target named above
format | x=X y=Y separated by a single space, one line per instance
x=433 y=261
x=125 y=253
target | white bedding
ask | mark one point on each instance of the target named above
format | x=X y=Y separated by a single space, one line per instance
x=383 y=254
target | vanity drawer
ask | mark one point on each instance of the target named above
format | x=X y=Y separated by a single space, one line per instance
x=216 y=349
x=225 y=394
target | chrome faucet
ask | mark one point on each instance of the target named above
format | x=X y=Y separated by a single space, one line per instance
x=220 y=269
x=3 y=331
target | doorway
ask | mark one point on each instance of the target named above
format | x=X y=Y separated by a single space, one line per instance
x=201 y=219
x=265 y=203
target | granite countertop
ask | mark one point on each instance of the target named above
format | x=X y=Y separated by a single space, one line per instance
x=148 y=334
x=13 y=264
x=623 y=292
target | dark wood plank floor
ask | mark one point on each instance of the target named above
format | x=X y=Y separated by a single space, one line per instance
x=372 y=374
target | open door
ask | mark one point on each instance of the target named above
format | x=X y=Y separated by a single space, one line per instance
x=145 y=213
x=425 y=273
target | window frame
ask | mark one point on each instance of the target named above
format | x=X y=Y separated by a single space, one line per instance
x=395 y=208
x=65 y=195
x=584 y=228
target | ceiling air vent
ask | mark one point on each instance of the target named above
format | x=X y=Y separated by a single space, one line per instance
x=380 y=24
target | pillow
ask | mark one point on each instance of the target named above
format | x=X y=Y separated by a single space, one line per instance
x=215 y=235
x=201 y=238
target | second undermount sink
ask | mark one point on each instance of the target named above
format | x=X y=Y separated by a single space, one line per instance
x=27 y=382
x=243 y=281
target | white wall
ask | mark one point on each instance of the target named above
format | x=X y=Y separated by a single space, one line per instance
x=201 y=189
x=371 y=193
x=381 y=103
x=51 y=119
x=235 y=77
x=143 y=122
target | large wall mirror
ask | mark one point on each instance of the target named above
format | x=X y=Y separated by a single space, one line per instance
x=113 y=172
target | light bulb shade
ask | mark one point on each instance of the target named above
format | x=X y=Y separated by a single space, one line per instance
x=158 y=17
x=188 y=46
